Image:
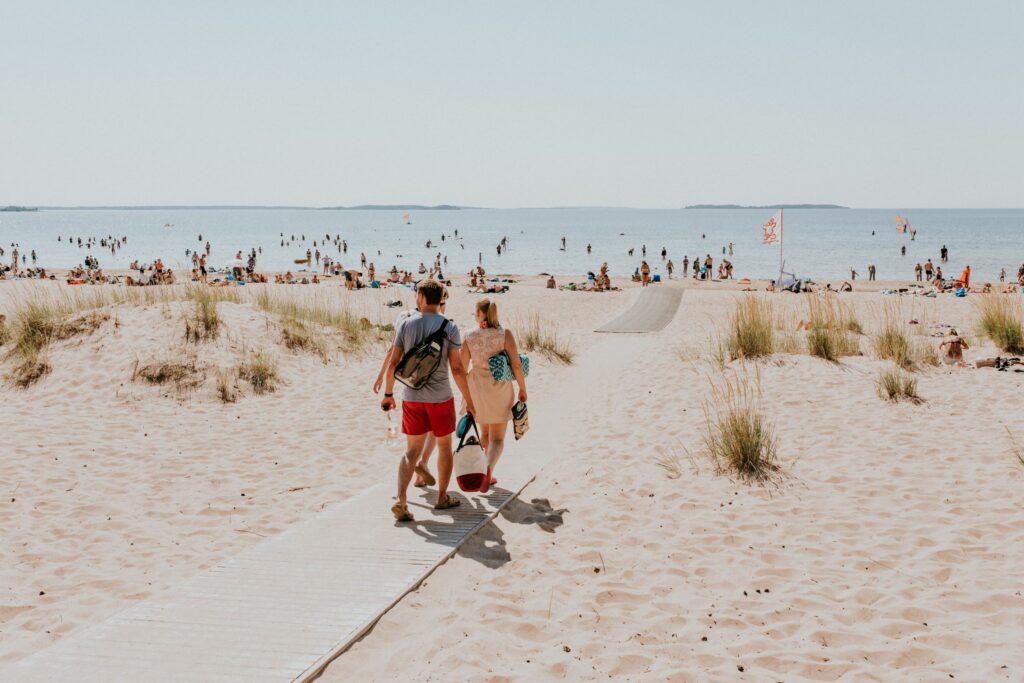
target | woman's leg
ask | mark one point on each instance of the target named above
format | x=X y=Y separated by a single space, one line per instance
x=495 y=443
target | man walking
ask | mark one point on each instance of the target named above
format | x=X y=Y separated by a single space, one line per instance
x=431 y=408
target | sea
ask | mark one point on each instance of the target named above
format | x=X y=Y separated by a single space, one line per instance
x=817 y=243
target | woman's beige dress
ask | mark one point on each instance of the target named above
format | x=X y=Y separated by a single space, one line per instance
x=493 y=400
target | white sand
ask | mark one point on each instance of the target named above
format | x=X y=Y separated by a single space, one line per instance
x=893 y=550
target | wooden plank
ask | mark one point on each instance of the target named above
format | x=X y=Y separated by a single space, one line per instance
x=283 y=609
x=653 y=310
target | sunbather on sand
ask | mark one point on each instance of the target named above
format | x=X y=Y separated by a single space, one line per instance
x=953 y=347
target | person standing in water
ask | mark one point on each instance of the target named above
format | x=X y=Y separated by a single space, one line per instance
x=493 y=398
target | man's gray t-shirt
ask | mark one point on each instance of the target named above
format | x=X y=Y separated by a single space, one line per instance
x=411 y=332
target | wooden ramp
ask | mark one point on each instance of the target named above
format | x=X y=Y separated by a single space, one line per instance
x=282 y=610
x=653 y=311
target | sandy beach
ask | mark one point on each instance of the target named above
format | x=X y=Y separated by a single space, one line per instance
x=888 y=549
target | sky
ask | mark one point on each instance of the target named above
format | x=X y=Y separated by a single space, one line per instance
x=517 y=104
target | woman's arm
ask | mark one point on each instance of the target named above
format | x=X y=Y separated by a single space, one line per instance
x=517 y=364
x=465 y=355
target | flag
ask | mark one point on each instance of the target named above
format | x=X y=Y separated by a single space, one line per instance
x=773 y=229
x=901 y=224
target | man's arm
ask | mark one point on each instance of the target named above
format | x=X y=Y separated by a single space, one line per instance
x=383 y=370
x=459 y=375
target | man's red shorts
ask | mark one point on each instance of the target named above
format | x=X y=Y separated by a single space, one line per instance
x=419 y=418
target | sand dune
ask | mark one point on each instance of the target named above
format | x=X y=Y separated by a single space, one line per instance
x=891 y=549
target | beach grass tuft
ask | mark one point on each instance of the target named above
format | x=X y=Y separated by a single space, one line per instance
x=831 y=328
x=298 y=336
x=41 y=320
x=1015 y=447
x=738 y=437
x=227 y=390
x=1001 y=319
x=751 y=332
x=204 y=321
x=260 y=370
x=541 y=335
x=300 y=316
x=896 y=385
x=179 y=369
x=891 y=342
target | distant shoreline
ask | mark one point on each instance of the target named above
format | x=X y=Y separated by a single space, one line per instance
x=768 y=206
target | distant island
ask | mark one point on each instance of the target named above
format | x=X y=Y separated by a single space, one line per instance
x=17 y=208
x=769 y=206
x=231 y=207
x=397 y=207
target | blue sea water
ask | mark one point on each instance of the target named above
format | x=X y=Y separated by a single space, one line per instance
x=819 y=243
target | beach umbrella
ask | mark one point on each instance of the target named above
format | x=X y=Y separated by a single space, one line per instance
x=235 y=263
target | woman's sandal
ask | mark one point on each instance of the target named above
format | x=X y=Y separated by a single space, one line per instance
x=449 y=502
x=426 y=476
x=401 y=513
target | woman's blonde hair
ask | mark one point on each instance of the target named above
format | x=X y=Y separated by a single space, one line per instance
x=490 y=311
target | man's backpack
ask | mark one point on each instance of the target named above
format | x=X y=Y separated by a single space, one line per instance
x=420 y=362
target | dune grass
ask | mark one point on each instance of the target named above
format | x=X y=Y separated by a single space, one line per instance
x=542 y=335
x=41 y=320
x=5 y=332
x=260 y=370
x=299 y=336
x=178 y=368
x=738 y=438
x=832 y=327
x=204 y=321
x=891 y=342
x=227 y=390
x=1015 y=447
x=896 y=385
x=301 y=316
x=1001 y=319
x=751 y=332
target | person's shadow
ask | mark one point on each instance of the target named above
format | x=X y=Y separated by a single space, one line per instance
x=538 y=511
x=487 y=545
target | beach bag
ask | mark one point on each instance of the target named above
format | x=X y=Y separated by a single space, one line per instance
x=520 y=419
x=960 y=292
x=463 y=426
x=501 y=367
x=469 y=463
x=421 y=361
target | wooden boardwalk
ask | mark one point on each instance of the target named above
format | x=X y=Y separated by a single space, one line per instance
x=653 y=311
x=282 y=610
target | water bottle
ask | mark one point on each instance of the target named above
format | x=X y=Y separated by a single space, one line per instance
x=392 y=433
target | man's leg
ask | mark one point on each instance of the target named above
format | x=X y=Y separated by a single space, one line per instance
x=444 y=465
x=406 y=466
x=428 y=447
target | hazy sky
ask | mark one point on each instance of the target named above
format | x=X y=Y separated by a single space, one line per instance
x=632 y=103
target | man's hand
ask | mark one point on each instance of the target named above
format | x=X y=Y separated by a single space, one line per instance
x=470 y=408
x=379 y=383
x=388 y=403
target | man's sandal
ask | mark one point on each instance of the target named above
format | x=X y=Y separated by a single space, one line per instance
x=448 y=502
x=401 y=513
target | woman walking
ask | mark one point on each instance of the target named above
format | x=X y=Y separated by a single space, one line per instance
x=493 y=399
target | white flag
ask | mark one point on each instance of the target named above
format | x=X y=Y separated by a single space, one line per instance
x=773 y=229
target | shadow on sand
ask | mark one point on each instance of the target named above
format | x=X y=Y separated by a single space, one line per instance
x=487 y=546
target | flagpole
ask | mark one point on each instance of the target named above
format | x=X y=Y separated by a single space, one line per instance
x=782 y=237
